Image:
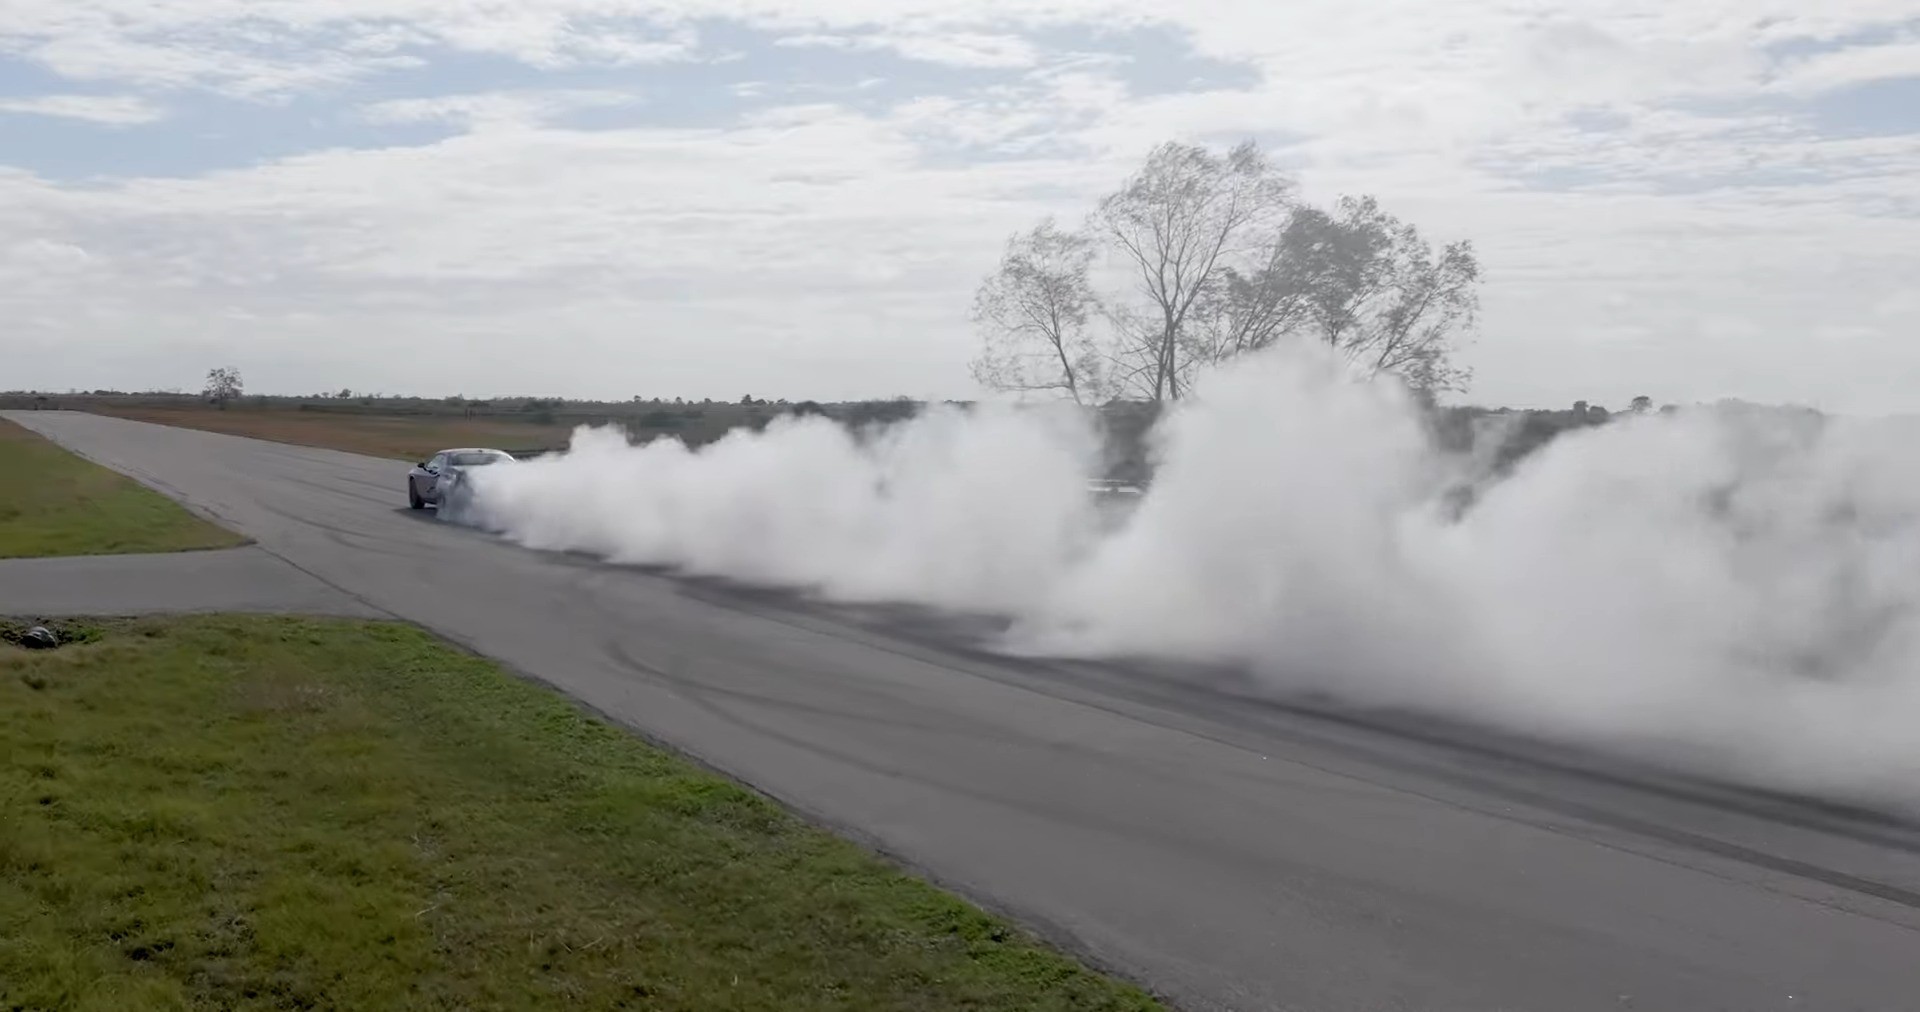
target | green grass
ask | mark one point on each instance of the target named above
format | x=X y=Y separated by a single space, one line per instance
x=54 y=503
x=222 y=812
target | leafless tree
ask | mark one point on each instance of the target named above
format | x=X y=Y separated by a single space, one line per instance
x=1433 y=300
x=1033 y=315
x=1178 y=223
x=1255 y=306
x=223 y=385
x=1219 y=261
x=1368 y=284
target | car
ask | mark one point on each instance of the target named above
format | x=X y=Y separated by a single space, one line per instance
x=437 y=480
x=1115 y=501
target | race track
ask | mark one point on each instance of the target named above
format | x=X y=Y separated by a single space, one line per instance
x=1230 y=852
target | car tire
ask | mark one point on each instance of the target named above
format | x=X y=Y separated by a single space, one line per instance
x=413 y=498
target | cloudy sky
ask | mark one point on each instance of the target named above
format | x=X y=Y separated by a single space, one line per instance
x=1683 y=198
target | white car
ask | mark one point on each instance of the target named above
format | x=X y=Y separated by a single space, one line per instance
x=438 y=480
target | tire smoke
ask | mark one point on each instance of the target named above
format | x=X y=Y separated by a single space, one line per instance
x=1732 y=589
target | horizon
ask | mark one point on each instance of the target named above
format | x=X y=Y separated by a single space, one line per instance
x=1453 y=402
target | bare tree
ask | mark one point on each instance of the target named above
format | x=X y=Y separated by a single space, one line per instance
x=1433 y=299
x=1368 y=284
x=1178 y=222
x=223 y=385
x=1033 y=314
x=1218 y=261
x=1251 y=310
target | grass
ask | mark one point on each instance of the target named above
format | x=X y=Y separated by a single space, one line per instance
x=397 y=437
x=54 y=503
x=226 y=812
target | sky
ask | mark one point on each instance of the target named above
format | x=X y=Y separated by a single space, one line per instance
x=1686 y=199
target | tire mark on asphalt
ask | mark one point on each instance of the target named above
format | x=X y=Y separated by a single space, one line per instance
x=1460 y=778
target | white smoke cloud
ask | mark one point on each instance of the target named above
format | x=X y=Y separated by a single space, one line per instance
x=979 y=510
x=1732 y=589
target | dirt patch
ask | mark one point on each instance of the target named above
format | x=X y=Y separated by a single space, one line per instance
x=410 y=438
x=69 y=632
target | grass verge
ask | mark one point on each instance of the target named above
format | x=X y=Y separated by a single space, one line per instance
x=54 y=503
x=244 y=812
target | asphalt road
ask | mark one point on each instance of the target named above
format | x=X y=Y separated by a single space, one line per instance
x=1227 y=851
x=233 y=579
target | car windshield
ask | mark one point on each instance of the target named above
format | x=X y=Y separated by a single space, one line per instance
x=475 y=459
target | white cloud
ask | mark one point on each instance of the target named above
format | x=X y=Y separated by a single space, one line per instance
x=950 y=47
x=271 y=48
x=816 y=40
x=781 y=248
x=1850 y=66
x=499 y=108
x=551 y=40
x=46 y=255
x=111 y=110
x=131 y=60
x=963 y=49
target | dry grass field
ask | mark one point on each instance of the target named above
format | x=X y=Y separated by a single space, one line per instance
x=401 y=437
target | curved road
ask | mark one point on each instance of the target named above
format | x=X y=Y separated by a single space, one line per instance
x=1228 y=852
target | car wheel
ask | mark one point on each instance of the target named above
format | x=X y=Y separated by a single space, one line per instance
x=454 y=503
x=413 y=498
